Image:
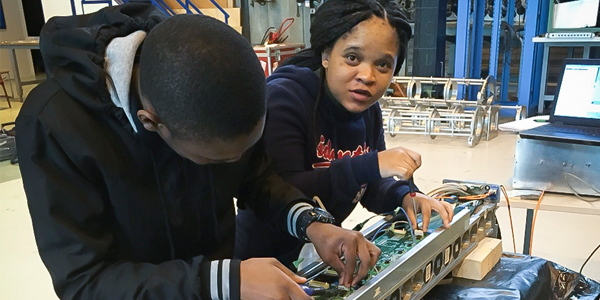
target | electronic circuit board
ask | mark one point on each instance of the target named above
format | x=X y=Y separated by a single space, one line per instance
x=392 y=247
x=411 y=263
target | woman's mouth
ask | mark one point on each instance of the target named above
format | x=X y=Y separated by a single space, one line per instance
x=360 y=95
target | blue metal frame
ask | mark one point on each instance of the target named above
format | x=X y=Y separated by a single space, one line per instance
x=164 y=7
x=494 y=49
x=186 y=5
x=461 y=55
x=510 y=19
x=476 y=45
x=73 y=11
x=536 y=23
x=222 y=10
x=161 y=5
x=469 y=43
x=189 y=3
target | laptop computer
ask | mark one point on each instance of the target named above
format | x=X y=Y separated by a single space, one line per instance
x=575 y=115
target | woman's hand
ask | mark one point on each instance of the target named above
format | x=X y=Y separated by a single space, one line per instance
x=399 y=162
x=425 y=205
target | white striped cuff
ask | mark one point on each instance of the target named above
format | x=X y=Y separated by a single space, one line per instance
x=219 y=279
x=293 y=215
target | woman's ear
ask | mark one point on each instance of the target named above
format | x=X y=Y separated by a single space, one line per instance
x=325 y=58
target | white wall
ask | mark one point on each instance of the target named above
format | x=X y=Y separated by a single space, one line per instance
x=54 y=8
x=15 y=30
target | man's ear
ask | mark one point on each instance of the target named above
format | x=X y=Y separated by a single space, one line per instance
x=149 y=119
x=325 y=58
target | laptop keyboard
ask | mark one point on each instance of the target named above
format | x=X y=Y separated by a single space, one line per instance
x=570 y=129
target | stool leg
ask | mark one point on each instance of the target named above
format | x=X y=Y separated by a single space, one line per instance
x=6 y=94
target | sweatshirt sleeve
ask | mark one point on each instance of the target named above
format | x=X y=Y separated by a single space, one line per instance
x=72 y=226
x=272 y=199
x=289 y=123
x=385 y=194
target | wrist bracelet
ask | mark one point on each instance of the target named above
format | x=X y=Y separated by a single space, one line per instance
x=307 y=217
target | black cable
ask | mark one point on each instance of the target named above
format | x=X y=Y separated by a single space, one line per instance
x=586 y=261
x=360 y=225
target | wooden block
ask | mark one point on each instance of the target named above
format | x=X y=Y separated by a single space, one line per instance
x=479 y=262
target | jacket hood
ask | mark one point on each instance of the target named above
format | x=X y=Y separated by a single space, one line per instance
x=308 y=79
x=74 y=47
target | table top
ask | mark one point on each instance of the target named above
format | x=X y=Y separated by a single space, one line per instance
x=559 y=203
x=23 y=44
x=566 y=40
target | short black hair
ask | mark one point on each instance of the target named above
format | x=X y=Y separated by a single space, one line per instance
x=334 y=18
x=203 y=79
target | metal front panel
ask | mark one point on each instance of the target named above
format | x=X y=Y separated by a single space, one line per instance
x=412 y=276
x=553 y=166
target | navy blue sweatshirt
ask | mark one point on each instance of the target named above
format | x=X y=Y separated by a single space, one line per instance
x=326 y=152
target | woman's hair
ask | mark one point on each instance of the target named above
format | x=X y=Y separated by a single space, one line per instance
x=334 y=18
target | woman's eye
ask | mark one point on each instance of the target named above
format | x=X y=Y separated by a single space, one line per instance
x=352 y=57
x=384 y=65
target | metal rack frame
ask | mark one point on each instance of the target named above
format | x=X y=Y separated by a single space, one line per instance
x=415 y=113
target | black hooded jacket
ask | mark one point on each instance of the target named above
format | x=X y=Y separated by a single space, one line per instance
x=118 y=214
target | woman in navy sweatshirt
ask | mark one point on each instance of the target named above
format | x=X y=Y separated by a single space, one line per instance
x=324 y=128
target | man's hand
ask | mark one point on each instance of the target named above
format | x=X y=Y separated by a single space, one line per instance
x=399 y=162
x=333 y=242
x=426 y=204
x=267 y=278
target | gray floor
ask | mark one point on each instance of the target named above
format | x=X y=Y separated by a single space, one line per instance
x=561 y=237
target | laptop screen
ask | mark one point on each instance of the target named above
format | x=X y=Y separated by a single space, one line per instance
x=579 y=92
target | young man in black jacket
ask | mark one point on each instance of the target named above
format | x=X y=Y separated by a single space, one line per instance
x=131 y=160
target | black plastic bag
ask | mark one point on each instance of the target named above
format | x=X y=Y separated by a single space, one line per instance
x=521 y=277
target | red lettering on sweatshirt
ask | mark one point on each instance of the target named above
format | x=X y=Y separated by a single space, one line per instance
x=325 y=151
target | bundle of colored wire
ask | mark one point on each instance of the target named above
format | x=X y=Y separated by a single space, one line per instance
x=512 y=230
x=469 y=197
x=537 y=207
x=449 y=189
x=379 y=230
x=411 y=226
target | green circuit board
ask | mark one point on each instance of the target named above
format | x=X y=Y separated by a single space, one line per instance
x=392 y=245
x=393 y=242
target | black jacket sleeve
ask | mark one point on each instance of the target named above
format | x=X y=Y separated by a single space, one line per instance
x=273 y=200
x=72 y=226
